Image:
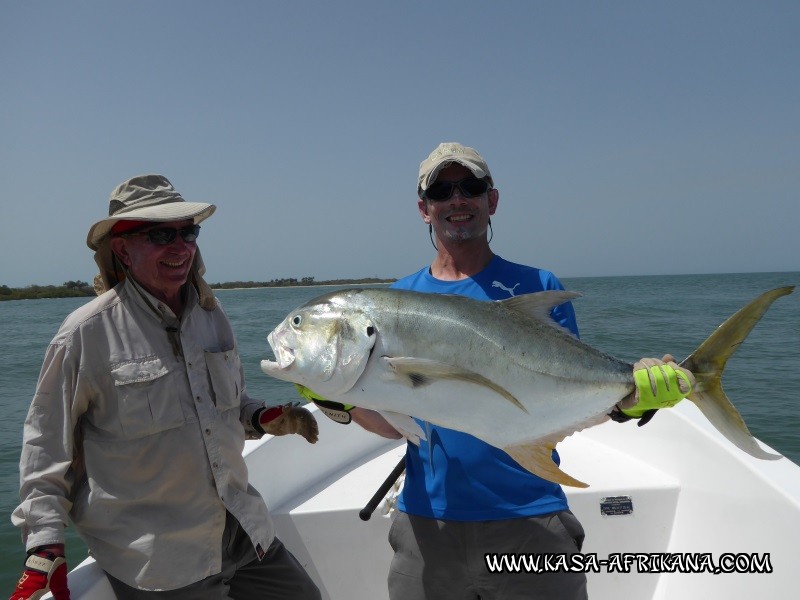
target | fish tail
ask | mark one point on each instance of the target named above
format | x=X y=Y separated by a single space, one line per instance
x=708 y=362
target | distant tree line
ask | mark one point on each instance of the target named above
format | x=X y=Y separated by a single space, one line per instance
x=292 y=281
x=70 y=289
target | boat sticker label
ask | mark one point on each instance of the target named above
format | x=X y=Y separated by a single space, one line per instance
x=612 y=506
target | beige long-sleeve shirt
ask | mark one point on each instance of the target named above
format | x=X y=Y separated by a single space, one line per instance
x=159 y=428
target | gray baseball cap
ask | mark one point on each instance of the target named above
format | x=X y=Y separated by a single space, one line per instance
x=446 y=154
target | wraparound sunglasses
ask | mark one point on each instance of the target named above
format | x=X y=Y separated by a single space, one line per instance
x=469 y=188
x=163 y=236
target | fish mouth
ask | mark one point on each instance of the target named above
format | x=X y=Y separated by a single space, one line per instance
x=284 y=356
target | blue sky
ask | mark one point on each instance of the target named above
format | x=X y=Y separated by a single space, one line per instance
x=625 y=137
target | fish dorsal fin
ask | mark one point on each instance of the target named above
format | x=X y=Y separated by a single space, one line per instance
x=419 y=372
x=539 y=304
x=537 y=457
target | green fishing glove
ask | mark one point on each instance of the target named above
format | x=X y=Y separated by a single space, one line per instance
x=333 y=410
x=659 y=384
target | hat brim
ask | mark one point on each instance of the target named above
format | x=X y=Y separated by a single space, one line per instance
x=162 y=213
x=433 y=171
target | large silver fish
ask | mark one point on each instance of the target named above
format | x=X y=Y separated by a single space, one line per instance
x=504 y=371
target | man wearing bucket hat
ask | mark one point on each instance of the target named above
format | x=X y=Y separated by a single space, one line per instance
x=462 y=497
x=137 y=425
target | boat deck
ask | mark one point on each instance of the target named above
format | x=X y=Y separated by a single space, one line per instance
x=675 y=486
x=688 y=490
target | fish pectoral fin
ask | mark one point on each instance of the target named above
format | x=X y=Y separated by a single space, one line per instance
x=537 y=457
x=419 y=372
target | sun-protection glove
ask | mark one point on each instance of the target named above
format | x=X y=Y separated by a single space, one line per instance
x=44 y=572
x=333 y=410
x=659 y=384
x=282 y=420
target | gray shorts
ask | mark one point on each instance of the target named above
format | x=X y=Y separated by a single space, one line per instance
x=446 y=560
x=278 y=576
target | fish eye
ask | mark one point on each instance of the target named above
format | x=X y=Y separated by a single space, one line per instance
x=370 y=331
x=296 y=320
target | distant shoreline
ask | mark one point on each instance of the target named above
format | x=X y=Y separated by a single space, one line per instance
x=291 y=282
x=318 y=284
x=73 y=289
x=79 y=289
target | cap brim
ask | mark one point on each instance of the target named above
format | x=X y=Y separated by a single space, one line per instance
x=433 y=172
x=174 y=211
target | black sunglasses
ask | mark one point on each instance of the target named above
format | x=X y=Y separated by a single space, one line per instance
x=163 y=236
x=469 y=188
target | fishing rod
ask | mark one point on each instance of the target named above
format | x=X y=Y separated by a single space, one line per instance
x=370 y=507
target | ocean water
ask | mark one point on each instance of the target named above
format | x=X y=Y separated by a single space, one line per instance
x=628 y=317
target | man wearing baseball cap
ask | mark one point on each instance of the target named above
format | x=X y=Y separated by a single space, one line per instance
x=136 y=429
x=463 y=498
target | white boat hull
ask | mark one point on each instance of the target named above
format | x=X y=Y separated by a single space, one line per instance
x=690 y=491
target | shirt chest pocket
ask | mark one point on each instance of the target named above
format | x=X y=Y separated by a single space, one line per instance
x=224 y=369
x=148 y=397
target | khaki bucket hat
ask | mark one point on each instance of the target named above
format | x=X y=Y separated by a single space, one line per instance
x=146 y=198
x=446 y=154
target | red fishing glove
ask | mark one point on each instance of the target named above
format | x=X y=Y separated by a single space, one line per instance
x=44 y=572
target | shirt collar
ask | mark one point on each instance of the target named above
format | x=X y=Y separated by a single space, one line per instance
x=157 y=308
